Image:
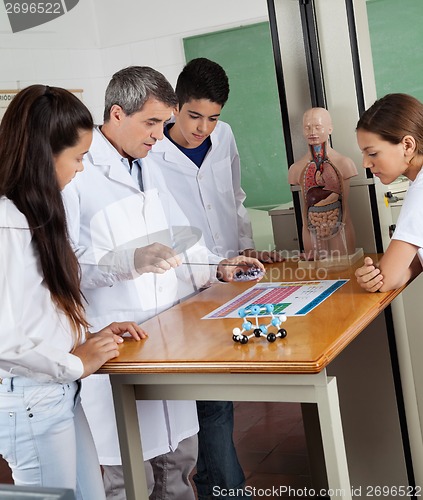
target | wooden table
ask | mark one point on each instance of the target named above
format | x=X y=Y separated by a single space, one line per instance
x=189 y=358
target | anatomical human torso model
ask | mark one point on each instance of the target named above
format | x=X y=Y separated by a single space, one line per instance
x=323 y=175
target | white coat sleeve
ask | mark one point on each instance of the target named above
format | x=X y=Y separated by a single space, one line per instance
x=186 y=242
x=245 y=232
x=99 y=267
x=409 y=227
x=26 y=349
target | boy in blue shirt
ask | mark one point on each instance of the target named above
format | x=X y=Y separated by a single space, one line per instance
x=199 y=160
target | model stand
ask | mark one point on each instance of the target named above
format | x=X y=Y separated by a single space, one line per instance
x=332 y=262
x=256 y=329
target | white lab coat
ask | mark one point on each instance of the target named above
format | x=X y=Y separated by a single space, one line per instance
x=108 y=218
x=409 y=227
x=216 y=186
x=35 y=335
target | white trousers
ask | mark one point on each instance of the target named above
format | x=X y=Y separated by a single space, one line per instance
x=45 y=438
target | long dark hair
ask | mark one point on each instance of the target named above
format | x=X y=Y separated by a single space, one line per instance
x=39 y=123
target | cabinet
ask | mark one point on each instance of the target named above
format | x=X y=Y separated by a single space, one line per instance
x=284 y=227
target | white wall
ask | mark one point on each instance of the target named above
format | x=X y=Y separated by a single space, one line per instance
x=83 y=48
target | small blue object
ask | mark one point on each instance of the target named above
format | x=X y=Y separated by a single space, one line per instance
x=249 y=274
x=242 y=313
x=257 y=311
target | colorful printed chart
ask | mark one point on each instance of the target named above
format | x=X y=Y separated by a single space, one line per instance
x=292 y=299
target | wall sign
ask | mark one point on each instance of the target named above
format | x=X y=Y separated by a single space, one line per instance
x=6 y=97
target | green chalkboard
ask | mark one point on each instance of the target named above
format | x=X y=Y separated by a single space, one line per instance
x=252 y=109
x=396 y=38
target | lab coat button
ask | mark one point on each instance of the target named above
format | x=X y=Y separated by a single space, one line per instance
x=209 y=207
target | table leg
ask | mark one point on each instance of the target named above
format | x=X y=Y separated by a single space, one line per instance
x=333 y=440
x=130 y=441
x=318 y=389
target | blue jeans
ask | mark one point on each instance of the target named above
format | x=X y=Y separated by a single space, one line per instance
x=45 y=438
x=218 y=469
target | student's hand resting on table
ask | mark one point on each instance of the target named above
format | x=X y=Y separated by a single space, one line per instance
x=101 y=346
x=230 y=267
x=155 y=258
x=264 y=255
x=369 y=276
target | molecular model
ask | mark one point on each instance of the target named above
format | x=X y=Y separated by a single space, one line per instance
x=259 y=330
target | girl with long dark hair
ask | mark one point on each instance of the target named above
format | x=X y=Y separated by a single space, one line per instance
x=45 y=346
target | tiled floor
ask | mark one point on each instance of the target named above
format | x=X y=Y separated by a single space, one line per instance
x=271 y=446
